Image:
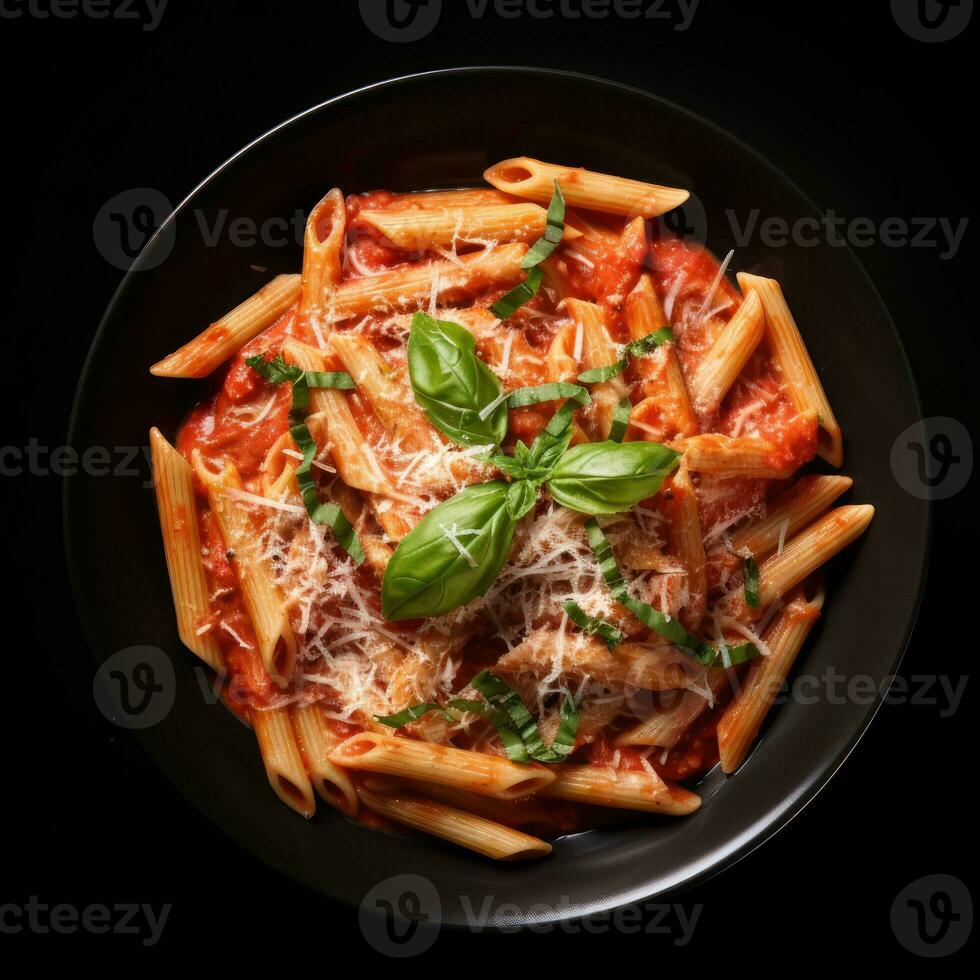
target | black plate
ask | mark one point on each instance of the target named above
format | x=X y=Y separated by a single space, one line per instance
x=441 y=130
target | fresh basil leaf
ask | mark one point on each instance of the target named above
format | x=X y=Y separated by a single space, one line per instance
x=319 y=512
x=593 y=626
x=610 y=477
x=522 y=293
x=522 y=495
x=751 y=583
x=545 y=245
x=620 y=420
x=500 y=694
x=634 y=349
x=452 y=385
x=451 y=556
x=670 y=629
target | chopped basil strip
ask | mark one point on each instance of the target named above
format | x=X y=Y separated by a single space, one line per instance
x=751 y=583
x=543 y=247
x=522 y=293
x=277 y=372
x=322 y=513
x=548 y=447
x=620 y=420
x=546 y=393
x=517 y=730
x=594 y=627
x=410 y=714
x=669 y=628
x=501 y=695
x=634 y=349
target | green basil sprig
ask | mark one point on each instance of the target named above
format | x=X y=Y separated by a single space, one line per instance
x=460 y=395
x=610 y=477
x=611 y=635
x=525 y=291
x=451 y=556
x=278 y=372
x=669 y=628
x=636 y=348
x=518 y=731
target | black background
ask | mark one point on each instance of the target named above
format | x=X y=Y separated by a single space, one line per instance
x=865 y=119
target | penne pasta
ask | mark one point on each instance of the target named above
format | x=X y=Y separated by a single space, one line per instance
x=447 y=281
x=486 y=224
x=333 y=424
x=795 y=363
x=534 y=180
x=489 y=775
x=468 y=830
x=665 y=727
x=687 y=541
x=664 y=410
x=740 y=724
x=323 y=245
x=809 y=497
x=316 y=740
x=277 y=644
x=511 y=813
x=282 y=760
x=810 y=549
x=622 y=789
x=199 y=357
x=723 y=362
x=731 y=456
x=468 y=197
x=598 y=350
x=173 y=482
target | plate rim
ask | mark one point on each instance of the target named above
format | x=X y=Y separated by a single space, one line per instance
x=717 y=859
